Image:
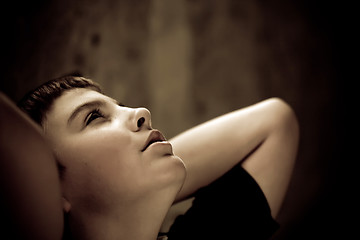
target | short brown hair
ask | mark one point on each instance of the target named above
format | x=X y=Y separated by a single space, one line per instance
x=37 y=102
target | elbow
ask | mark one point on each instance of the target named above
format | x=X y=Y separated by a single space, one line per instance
x=284 y=116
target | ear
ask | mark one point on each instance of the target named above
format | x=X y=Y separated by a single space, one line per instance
x=66 y=205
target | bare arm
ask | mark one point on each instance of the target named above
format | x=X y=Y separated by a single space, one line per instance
x=30 y=189
x=262 y=137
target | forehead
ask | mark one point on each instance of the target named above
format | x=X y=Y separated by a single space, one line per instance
x=73 y=98
x=64 y=105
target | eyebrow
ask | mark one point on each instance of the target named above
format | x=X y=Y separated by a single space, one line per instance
x=85 y=106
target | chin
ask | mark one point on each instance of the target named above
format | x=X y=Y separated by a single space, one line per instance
x=181 y=171
x=175 y=172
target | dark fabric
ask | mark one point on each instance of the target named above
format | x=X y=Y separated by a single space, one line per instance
x=232 y=207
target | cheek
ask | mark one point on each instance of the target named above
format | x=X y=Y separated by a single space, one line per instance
x=97 y=149
x=101 y=163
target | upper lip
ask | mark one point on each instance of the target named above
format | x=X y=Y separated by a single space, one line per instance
x=154 y=136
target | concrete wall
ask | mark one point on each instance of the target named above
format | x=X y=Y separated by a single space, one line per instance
x=189 y=61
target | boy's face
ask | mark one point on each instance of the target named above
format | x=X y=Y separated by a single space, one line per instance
x=106 y=151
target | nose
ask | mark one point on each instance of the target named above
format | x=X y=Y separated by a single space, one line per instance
x=142 y=119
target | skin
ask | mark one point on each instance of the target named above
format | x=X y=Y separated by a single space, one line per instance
x=263 y=138
x=111 y=187
x=113 y=190
x=29 y=183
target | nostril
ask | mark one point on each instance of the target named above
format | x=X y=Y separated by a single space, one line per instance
x=140 y=122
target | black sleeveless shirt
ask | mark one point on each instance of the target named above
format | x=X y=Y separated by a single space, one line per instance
x=232 y=207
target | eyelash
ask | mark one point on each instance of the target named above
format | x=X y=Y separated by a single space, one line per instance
x=93 y=115
x=96 y=113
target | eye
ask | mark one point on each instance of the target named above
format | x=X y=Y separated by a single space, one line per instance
x=93 y=115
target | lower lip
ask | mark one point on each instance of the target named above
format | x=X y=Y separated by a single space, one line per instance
x=161 y=144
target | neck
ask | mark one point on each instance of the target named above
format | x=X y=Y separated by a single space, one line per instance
x=141 y=221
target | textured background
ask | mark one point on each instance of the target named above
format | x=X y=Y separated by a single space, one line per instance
x=191 y=60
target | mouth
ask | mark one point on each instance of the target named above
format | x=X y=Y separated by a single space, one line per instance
x=155 y=136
